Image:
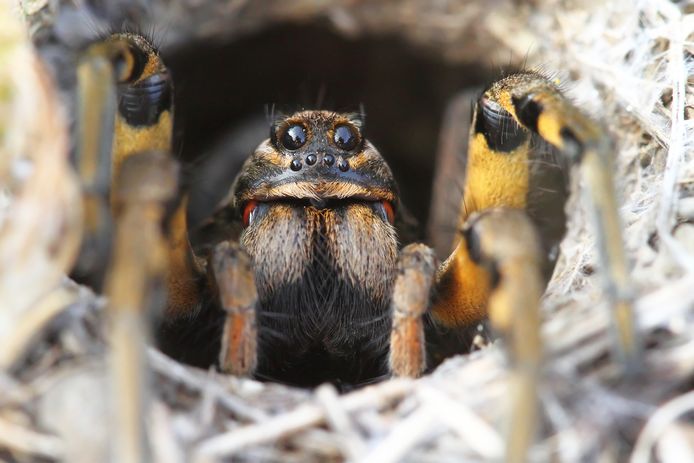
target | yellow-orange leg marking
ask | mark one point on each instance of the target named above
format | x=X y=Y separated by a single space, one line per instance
x=135 y=286
x=508 y=245
x=411 y=295
x=462 y=290
x=235 y=280
x=125 y=105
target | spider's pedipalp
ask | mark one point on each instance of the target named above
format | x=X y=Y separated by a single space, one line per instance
x=411 y=296
x=234 y=277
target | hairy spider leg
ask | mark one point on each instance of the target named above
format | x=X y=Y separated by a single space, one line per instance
x=524 y=138
x=505 y=243
x=96 y=108
x=123 y=143
x=143 y=122
x=129 y=110
x=136 y=287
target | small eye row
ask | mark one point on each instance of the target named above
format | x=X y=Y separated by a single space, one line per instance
x=328 y=160
x=294 y=136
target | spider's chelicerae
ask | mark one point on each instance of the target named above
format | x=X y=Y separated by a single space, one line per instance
x=311 y=279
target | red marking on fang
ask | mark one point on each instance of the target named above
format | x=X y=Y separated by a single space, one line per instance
x=247 y=211
x=390 y=212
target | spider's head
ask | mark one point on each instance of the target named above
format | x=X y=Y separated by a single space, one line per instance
x=316 y=158
x=317 y=204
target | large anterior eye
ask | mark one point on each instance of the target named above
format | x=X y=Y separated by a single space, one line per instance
x=345 y=137
x=294 y=137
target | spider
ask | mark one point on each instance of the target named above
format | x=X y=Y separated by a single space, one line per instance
x=311 y=278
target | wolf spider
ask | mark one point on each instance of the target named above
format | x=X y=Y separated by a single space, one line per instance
x=309 y=277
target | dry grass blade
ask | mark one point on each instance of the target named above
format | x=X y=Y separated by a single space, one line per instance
x=472 y=429
x=25 y=441
x=40 y=233
x=292 y=422
x=665 y=416
x=29 y=326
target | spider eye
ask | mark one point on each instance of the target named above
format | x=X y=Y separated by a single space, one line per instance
x=294 y=137
x=345 y=137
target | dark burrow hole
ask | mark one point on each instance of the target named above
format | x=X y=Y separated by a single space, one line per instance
x=226 y=93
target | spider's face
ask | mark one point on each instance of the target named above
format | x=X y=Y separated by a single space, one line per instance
x=317 y=203
x=318 y=158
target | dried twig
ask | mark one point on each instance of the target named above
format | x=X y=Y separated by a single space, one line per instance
x=669 y=198
x=23 y=440
x=289 y=423
x=657 y=423
x=46 y=309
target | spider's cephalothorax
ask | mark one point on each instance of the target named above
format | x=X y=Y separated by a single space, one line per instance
x=318 y=207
